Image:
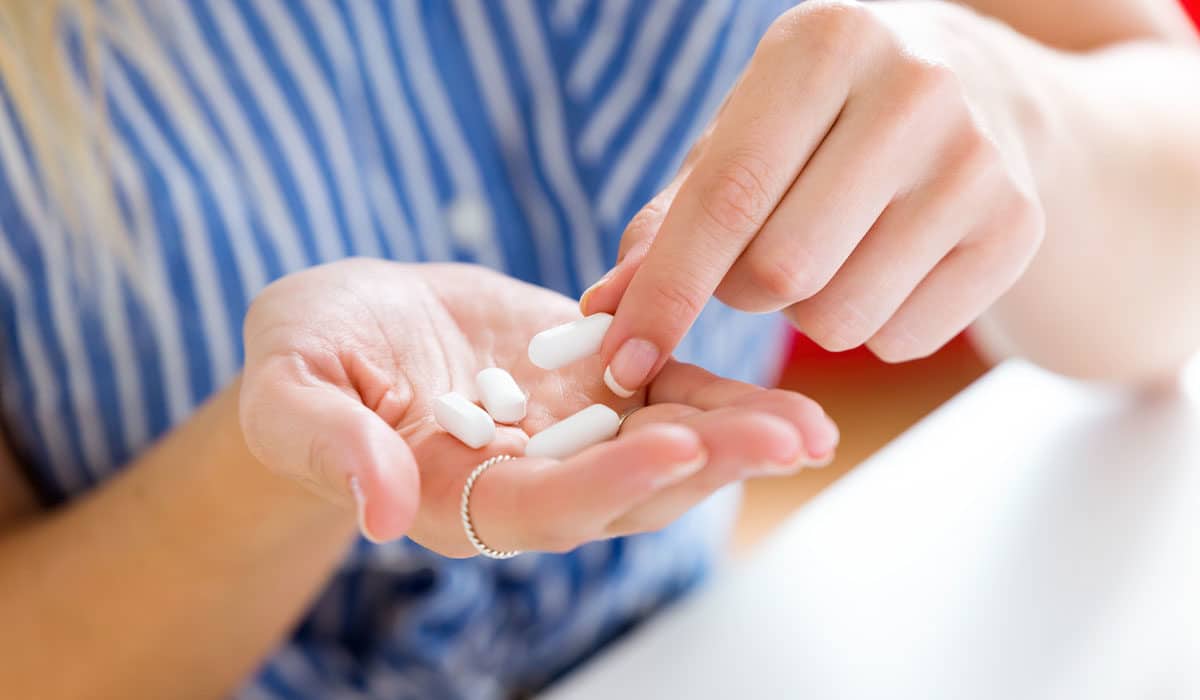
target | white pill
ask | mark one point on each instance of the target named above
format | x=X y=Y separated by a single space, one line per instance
x=562 y=345
x=464 y=420
x=500 y=395
x=572 y=435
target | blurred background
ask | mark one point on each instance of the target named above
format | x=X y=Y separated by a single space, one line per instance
x=871 y=401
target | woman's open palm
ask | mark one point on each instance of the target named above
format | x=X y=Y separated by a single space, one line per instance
x=343 y=362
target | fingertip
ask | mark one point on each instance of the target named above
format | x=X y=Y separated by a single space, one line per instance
x=385 y=510
x=614 y=387
x=632 y=366
x=360 y=507
x=385 y=484
x=782 y=442
x=820 y=433
x=821 y=439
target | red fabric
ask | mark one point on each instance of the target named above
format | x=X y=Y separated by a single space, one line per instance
x=1193 y=8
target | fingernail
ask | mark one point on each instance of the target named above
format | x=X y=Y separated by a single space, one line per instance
x=614 y=387
x=822 y=452
x=587 y=292
x=631 y=366
x=360 y=505
x=771 y=469
x=679 y=472
x=823 y=461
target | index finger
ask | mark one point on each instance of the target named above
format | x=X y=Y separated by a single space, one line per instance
x=769 y=129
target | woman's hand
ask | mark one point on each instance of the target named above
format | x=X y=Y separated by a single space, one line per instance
x=343 y=362
x=850 y=181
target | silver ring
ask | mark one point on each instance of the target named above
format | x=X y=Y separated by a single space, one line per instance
x=626 y=414
x=465 y=510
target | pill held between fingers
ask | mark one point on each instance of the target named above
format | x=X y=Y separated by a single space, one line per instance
x=500 y=395
x=562 y=345
x=464 y=420
x=592 y=425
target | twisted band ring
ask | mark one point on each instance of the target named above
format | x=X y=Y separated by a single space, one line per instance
x=465 y=510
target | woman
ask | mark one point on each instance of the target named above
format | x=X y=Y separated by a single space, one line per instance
x=175 y=527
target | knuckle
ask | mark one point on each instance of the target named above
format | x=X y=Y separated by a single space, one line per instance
x=773 y=277
x=930 y=80
x=927 y=90
x=840 y=326
x=1028 y=219
x=1015 y=233
x=974 y=166
x=675 y=301
x=648 y=218
x=838 y=21
x=977 y=152
x=642 y=227
x=972 y=142
x=785 y=279
x=736 y=199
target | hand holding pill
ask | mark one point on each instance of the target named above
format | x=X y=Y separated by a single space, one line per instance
x=348 y=363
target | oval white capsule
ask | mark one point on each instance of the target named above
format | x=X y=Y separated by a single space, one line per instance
x=562 y=345
x=592 y=425
x=464 y=420
x=500 y=395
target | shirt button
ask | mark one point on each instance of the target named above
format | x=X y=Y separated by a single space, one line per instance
x=470 y=221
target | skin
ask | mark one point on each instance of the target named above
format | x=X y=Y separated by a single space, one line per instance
x=354 y=354
x=887 y=173
x=333 y=389
x=342 y=363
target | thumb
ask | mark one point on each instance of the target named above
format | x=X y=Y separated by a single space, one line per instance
x=325 y=438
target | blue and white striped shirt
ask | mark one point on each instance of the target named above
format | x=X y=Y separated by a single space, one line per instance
x=259 y=137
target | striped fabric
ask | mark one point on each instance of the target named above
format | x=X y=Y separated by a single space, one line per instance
x=255 y=138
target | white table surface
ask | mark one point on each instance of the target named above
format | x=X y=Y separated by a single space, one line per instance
x=1034 y=538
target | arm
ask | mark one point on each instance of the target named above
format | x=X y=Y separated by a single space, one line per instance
x=177 y=576
x=1113 y=139
x=173 y=579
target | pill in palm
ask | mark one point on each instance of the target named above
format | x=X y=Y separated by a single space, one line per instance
x=464 y=420
x=500 y=395
x=592 y=425
x=562 y=345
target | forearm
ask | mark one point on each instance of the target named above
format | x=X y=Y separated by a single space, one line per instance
x=174 y=579
x=1111 y=136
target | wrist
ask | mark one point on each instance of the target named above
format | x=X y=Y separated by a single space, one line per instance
x=1010 y=80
